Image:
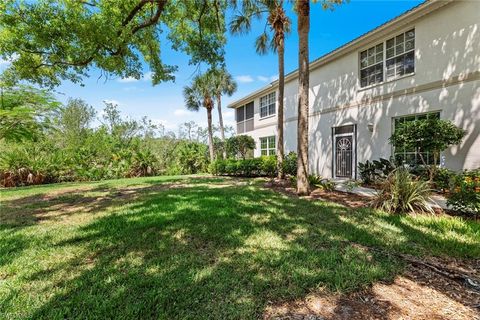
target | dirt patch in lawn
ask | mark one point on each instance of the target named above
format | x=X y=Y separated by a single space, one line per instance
x=350 y=200
x=61 y=205
x=416 y=294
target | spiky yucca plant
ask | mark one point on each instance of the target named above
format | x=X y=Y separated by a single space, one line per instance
x=400 y=192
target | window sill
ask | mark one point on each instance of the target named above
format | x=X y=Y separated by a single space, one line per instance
x=267 y=117
x=385 y=82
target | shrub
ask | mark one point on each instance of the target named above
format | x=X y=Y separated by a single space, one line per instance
x=240 y=145
x=431 y=135
x=401 y=193
x=314 y=180
x=144 y=163
x=255 y=167
x=465 y=195
x=443 y=178
x=327 y=185
x=375 y=171
x=290 y=164
x=367 y=171
x=269 y=165
x=351 y=184
x=317 y=181
x=191 y=157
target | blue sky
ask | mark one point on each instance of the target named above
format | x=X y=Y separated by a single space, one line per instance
x=164 y=102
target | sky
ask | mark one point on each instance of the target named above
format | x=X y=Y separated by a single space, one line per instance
x=164 y=104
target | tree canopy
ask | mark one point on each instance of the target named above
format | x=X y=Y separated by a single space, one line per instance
x=25 y=112
x=48 y=41
x=427 y=135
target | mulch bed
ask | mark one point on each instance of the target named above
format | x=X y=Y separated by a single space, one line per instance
x=347 y=199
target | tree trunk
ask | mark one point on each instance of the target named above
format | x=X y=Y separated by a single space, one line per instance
x=210 y=134
x=281 y=89
x=303 y=12
x=220 y=120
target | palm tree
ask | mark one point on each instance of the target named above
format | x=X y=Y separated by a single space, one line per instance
x=200 y=94
x=302 y=7
x=280 y=24
x=223 y=84
x=303 y=11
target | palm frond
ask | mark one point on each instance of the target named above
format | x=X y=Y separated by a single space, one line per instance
x=262 y=43
x=240 y=24
x=192 y=98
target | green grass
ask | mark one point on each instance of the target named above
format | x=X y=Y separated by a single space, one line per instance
x=187 y=247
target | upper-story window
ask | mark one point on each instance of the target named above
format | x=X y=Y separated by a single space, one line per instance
x=244 y=116
x=371 y=65
x=396 y=60
x=267 y=105
x=400 y=55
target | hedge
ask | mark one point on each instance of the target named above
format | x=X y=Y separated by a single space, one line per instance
x=265 y=166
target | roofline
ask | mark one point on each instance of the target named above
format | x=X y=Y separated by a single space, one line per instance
x=371 y=36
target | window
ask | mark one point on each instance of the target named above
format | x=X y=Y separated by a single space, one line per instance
x=244 y=116
x=371 y=65
x=399 y=59
x=267 y=146
x=413 y=156
x=400 y=55
x=267 y=105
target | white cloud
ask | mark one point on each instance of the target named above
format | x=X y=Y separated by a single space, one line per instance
x=127 y=80
x=146 y=77
x=244 y=79
x=229 y=123
x=8 y=61
x=228 y=114
x=267 y=79
x=181 y=112
x=262 y=78
x=166 y=124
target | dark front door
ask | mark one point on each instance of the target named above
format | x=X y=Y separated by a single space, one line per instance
x=343 y=156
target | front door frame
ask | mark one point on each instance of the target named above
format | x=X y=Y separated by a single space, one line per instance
x=353 y=135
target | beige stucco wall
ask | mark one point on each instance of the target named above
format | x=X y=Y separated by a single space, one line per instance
x=446 y=79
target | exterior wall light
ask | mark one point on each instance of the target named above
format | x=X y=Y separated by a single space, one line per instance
x=370 y=127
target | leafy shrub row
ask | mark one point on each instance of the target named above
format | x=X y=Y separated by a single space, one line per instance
x=265 y=166
x=375 y=171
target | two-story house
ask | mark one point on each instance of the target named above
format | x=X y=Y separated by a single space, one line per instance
x=423 y=63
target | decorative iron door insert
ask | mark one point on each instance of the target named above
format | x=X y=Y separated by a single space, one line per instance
x=343 y=156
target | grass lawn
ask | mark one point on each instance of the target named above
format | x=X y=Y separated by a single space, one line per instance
x=195 y=247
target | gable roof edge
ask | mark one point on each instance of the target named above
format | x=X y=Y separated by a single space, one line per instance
x=371 y=36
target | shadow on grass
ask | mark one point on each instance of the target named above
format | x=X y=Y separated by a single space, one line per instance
x=212 y=250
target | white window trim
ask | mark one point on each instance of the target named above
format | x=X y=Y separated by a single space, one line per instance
x=244 y=121
x=268 y=105
x=269 y=148
x=384 y=42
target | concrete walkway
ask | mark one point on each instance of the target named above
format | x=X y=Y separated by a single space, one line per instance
x=436 y=200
